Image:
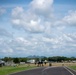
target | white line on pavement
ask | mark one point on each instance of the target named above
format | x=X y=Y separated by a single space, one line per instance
x=69 y=71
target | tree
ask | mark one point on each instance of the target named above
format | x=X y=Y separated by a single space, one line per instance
x=16 y=60
x=23 y=59
x=6 y=59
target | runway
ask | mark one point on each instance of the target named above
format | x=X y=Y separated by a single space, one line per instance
x=47 y=71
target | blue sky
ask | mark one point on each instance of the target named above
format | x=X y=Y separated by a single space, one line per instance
x=37 y=27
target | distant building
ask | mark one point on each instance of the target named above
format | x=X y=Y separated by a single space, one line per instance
x=22 y=63
x=9 y=63
x=31 y=61
x=74 y=61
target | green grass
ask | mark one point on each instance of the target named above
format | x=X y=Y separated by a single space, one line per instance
x=72 y=67
x=9 y=70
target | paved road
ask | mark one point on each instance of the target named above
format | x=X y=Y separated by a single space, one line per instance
x=47 y=71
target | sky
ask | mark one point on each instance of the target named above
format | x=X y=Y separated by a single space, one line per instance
x=37 y=27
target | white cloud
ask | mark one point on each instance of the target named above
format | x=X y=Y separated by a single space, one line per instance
x=21 y=40
x=68 y=20
x=5 y=48
x=29 y=20
x=71 y=18
x=42 y=7
x=28 y=46
x=16 y=21
x=7 y=51
x=41 y=4
x=38 y=19
x=17 y=11
x=25 y=21
x=65 y=41
x=67 y=37
x=51 y=40
x=5 y=33
x=2 y=11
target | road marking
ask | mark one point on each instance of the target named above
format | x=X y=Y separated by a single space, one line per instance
x=69 y=71
x=44 y=71
x=48 y=68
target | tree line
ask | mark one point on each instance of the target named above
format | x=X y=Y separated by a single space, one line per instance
x=50 y=59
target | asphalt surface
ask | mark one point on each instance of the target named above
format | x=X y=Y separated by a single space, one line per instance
x=47 y=71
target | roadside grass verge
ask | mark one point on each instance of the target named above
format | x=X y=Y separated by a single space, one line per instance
x=10 y=69
x=72 y=67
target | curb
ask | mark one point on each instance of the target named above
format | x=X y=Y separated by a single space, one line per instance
x=71 y=69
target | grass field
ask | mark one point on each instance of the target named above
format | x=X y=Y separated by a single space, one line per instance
x=61 y=64
x=70 y=65
x=73 y=67
x=10 y=69
x=65 y=64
